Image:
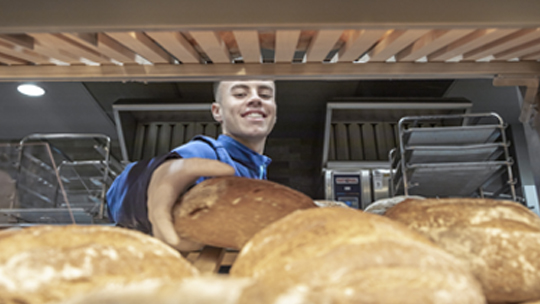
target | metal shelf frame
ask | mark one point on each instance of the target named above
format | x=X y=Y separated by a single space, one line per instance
x=455 y=160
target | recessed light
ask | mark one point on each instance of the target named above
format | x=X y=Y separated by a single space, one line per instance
x=30 y=90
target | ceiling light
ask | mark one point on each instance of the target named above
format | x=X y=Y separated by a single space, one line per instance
x=30 y=90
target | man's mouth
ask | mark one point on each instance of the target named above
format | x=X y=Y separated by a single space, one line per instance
x=254 y=114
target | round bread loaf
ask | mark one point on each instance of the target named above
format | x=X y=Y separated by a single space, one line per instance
x=195 y=290
x=341 y=255
x=228 y=211
x=46 y=264
x=500 y=240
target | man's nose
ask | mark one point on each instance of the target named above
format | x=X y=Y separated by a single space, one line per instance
x=255 y=100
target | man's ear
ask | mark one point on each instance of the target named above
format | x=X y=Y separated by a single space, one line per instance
x=216 y=112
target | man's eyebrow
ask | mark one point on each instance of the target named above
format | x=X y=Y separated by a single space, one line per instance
x=265 y=87
x=239 y=86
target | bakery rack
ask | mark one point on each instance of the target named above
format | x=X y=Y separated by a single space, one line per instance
x=462 y=155
x=58 y=179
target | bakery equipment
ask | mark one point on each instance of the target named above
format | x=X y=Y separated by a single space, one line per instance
x=146 y=130
x=359 y=134
x=59 y=178
x=453 y=156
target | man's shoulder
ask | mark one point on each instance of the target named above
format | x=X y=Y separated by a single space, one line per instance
x=199 y=146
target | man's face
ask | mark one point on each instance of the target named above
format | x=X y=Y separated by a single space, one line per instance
x=246 y=109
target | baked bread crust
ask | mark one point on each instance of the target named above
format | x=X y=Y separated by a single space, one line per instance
x=341 y=255
x=227 y=211
x=45 y=264
x=500 y=240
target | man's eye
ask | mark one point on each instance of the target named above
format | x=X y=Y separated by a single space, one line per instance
x=239 y=95
x=266 y=96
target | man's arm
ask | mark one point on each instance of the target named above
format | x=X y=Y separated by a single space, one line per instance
x=168 y=181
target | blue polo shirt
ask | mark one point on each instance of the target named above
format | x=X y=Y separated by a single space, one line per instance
x=127 y=196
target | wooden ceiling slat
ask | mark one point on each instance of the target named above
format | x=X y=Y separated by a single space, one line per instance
x=70 y=46
x=533 y=56
x=177 y=45
x=11 y=60
x=470 y=42
x=142 y=45
x=214 y=47
x=503 y=44
x=322 y=44
x=18 y=52
x=519 y=51
x=105 y=45
x=114 y=49
x=359 y=43
x=56 y=55
x=249 y=45
x=286 y=42
x=19 y=39
x=396 y=41
x=431 y=42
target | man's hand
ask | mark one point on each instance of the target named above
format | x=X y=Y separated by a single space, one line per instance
x=167 y=183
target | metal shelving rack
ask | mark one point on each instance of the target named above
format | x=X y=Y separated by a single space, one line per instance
x=59 y=179
x=453 y=156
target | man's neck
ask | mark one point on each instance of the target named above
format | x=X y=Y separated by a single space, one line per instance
x=256 y=145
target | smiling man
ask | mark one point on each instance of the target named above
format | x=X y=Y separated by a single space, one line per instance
x=142 y=197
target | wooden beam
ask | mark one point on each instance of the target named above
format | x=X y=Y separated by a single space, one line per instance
x=431 y=42
x=9 y=60
x=24 y=54
x=533 y=56
x=470 y=42
x=359 y=43
x=249 y=45
x=503 y=44
x=520 y=50
x=393 y=43
x=322 y=44
x=56 y=56
x=114 y=49
x=530 y=98
x=19 y=39
x=307 y=71
x=141 y=44
x=177 y=45
x=57 y=41
x=212 y=45
x=209 y=259
x=105 y=45
x=286 y=42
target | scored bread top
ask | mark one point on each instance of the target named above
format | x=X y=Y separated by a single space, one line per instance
x=48 y=263
x=228 y=211
x=342 y=255
x=499 y=240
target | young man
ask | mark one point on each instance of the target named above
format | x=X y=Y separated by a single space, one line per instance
x=142 y=197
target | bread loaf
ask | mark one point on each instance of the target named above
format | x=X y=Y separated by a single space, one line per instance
x=47 y=264
x=500 y=240
x=194 y=290
x=228 y=211
x=342 y=255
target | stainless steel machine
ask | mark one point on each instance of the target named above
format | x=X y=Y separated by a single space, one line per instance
x=436 y=148
x=359 y=135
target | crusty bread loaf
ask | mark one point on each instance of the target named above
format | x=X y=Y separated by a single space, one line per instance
x=46 y=264
x=194 y=290
x=228 y=211
x=342 y=255
x=500 y=240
